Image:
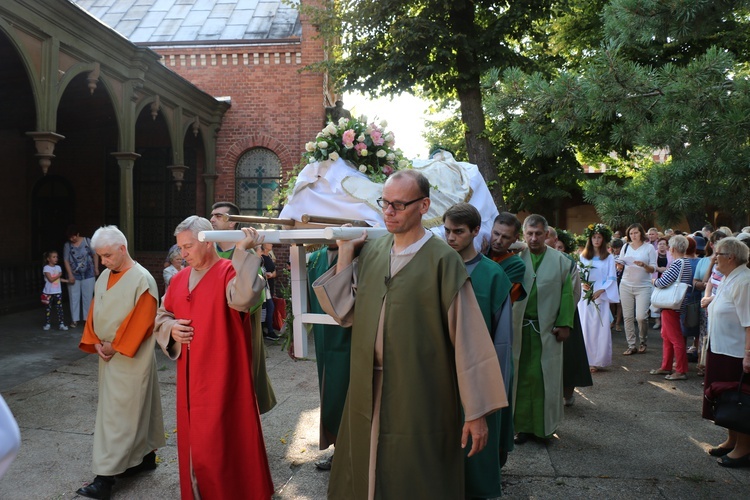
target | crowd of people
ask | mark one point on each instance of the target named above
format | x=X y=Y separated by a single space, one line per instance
x=445 y=357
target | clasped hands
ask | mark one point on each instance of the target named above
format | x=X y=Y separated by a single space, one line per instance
x=105 y=350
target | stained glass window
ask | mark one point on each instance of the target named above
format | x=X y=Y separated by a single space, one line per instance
x=257 y=179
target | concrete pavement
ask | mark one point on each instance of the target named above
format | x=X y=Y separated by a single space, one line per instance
x=631 y=435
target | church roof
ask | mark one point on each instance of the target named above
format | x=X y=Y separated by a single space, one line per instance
x=179 y=21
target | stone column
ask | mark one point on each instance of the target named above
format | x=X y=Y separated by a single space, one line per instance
x=126 y=161
x=210 y=181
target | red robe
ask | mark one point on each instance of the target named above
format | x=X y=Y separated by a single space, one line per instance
x=218 y=422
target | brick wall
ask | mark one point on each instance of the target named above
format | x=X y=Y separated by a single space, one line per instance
x=275 y=105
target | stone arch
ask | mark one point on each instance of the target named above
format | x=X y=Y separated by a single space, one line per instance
x=259 y=141
x=164 y=111
x=32 y=75
x=102 y=85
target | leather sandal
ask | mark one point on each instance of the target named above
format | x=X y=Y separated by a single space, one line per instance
x=629 y=351
x=641 y=348
x=676 y=376
x=660 y=372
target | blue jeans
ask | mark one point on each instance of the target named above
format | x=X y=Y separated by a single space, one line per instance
x=270 y=309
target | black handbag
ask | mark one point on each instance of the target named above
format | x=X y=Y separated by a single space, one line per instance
x=692 y=315
x=732 y=409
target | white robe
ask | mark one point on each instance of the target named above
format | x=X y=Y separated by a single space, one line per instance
x=595 y=316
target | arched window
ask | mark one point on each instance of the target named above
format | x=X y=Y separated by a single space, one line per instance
x=257 y=179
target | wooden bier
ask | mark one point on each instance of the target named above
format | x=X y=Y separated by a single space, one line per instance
x=294 y=236
x=297 y=238
x=308 y=220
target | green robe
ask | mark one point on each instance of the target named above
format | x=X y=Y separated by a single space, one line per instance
x=261 y=381
x=492 y=289
x=537 y=355
x=333 y=345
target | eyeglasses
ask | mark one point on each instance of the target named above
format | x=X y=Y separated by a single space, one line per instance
x=722 y=254
x=397 y=205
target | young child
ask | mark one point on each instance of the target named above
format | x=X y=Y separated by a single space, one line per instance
x=53 y=288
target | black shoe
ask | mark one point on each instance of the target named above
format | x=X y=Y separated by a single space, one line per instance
x=521 y=437
x=100 y=488
x=734 y=463
x=325 y=464
x=719 y=451
x=271 y=336
x=148 y=463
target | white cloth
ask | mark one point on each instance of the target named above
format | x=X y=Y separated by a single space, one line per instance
x=729 y=314
x=595 y=317
x=10 y=437
x=337 y=189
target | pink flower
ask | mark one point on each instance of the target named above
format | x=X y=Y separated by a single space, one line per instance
x=348 y=138
x=387 y=170
x=377 y=137
x=360 y=146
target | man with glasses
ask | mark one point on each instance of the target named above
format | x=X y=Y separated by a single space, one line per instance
x=420 y=352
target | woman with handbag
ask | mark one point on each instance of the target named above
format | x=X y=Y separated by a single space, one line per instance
x=635 y=287
x=728 y=352
x=671 y=331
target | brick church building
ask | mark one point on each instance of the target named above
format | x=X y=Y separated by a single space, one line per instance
x=140 y=113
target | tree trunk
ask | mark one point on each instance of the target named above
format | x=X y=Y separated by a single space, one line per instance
x=462 y=18
x=477 y=144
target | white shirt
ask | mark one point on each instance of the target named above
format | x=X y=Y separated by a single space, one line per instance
x=729 y=314
x=635 y=275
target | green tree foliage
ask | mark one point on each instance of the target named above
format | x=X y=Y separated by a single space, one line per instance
x=530 y=184
x=438 y=47
x=666 y=75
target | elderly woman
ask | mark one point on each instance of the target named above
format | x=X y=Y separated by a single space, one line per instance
x=729 y=340
x=175 y=266
x=671 y=331
x=82 y=266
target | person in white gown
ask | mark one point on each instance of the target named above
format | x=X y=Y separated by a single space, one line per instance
x=599 y=290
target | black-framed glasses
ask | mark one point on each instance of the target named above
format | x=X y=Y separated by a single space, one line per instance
x=398 y=206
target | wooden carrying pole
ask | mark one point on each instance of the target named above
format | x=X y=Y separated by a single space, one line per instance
x=307 y=220
x=297 y=238
x=292 y=236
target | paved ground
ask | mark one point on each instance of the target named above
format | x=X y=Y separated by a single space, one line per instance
x=631 y=435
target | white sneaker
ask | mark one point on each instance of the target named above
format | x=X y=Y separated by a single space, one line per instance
x=46 y=327
x=63 y=327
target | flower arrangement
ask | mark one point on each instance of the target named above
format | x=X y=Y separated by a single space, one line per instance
x=368 y=148
x=600 y=228
x=586 y=284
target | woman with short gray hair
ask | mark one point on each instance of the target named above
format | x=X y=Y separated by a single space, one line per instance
x=671 y=330
x=729 y=341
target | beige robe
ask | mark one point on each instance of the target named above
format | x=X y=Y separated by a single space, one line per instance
x=129 y=421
